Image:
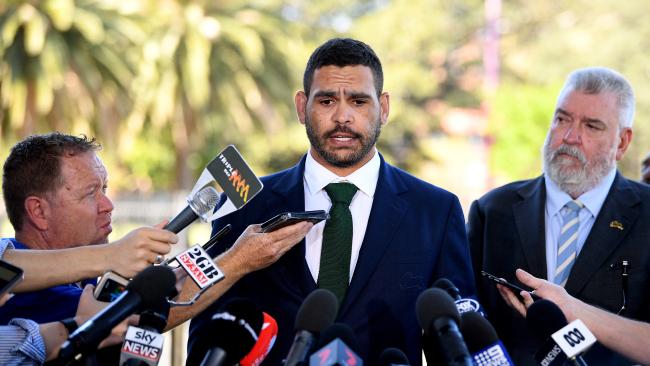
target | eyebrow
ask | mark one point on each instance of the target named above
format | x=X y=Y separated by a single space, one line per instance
x=587 y=119
x=332 y=94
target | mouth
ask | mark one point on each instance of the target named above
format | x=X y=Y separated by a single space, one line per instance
x=342 y=139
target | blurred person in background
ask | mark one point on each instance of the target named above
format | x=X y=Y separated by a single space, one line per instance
x=645 y=169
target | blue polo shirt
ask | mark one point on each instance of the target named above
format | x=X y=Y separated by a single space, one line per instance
x=43 y=306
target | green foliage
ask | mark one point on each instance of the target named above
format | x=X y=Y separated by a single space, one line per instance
x=518 y=123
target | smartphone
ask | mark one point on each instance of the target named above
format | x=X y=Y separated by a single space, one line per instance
x=289 y=218
x=10 y=275
x=110 y=287
x=516 y=289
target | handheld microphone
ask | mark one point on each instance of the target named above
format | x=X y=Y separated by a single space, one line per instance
x=316 y=313
x=462 y=304
x=482 y=341
x=230 y=335
x=143 y=344
x=201 y=205
x=338 y=347
x=437 y=315
x=393 y=357
x=145 y=290
x=265 y=341
x=546 y=320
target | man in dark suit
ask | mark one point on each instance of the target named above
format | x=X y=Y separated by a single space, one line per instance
x=405 y=233
x=581 y=225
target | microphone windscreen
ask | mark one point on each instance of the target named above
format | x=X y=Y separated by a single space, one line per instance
x=153 y=284
x=393 y=356
x=448 y=286
x=477 y=331
x=341 y=331
x=432 y=304
x=317 y=312
x=205 y=200
x=235 y=335
x=545 y=318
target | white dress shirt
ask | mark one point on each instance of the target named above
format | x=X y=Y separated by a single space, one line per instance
x=593 y=201
x=316 y=198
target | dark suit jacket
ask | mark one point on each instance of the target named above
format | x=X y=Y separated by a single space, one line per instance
x=506 y=230
x=415 y=235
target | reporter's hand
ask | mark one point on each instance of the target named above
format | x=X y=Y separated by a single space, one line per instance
x=139 y=249
x=255 y=250
x=89 y=306
x=543 y=289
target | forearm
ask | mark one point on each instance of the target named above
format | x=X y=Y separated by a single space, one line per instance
x=47 y=268
x=232 y=273
x=625 y=336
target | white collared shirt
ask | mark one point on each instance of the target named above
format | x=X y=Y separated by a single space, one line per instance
x=593 y=201
x=315 y=179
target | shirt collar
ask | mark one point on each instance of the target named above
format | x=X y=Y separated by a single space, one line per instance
x=592 y=199
x=365 y=178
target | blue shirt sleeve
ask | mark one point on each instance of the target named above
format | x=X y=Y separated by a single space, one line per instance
x=4 y=245
x=21 y=343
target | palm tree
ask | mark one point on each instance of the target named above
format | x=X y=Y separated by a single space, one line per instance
x=64 y=65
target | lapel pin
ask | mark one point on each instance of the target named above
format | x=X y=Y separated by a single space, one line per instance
x=616 y=224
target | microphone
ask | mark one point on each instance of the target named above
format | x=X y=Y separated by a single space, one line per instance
x=482 y=341
x=230 y=335
x=316 y=313
x=437 y=315
x=145 y=290
x=547 y=321
x=143 y=344
x=462 y=304
x=393 y=357
x=201 y=205
x=339 y=347
x=265 y=342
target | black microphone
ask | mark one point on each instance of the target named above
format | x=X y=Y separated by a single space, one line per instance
x=337 y=346
x=545 y=318
x=316 y=313
x=393 y=357
x=462 y=304
x=482 y=341
x=230 y=335
x=143 y=344
x=203 y=203
x=437 y=315
x=145 y=290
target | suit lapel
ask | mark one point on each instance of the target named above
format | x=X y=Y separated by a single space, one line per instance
x=385 y=217
x=529 y=220
x=288 y=194
x=620 y=205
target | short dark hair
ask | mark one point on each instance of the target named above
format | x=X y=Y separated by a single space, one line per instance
x=343 y=52
x=34 y=167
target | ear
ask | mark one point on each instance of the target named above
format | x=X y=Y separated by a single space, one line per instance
x=37 y=210
x=625 y=137
x=301 y=105
x=384 y=105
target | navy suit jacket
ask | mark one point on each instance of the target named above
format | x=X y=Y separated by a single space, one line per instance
x=415 y=235
x=506 y=230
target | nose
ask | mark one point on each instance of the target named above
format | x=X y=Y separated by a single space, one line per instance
x=343 y=114
x=105 y=204
x=572 y=134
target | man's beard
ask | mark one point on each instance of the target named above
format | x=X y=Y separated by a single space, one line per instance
x=576 y=181
x=352 y=157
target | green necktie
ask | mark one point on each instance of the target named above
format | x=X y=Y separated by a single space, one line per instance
x=334 y=273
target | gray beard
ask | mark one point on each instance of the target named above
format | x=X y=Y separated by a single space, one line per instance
x=576 y=181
